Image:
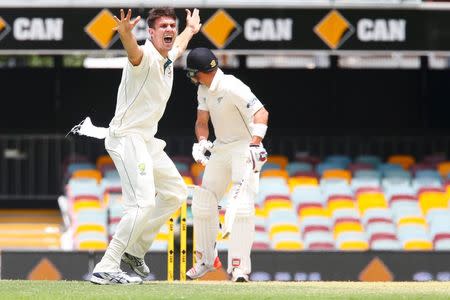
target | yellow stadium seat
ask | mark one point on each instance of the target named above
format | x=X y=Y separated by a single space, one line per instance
x=162 y=236
x=86 y=204
x=430 y=200
x=275 y=229
x=313 y=212
x=34 y=243
x=92 y=245
x=340 y=203
x=277 y=204
x=346 y=227
x=90 y=227
x=92 y=174
x=288 y=246
x=371 y=200
x=302 y=180
x=418 y=245
x=259 y=212
x=196 y=169
x=337 y=174
x=412 y=220
x=444 y=168
x=406 y=161
x=275 y=173
x=280 y=160
x=104 y=160
x=354 y=246
x=188 y=180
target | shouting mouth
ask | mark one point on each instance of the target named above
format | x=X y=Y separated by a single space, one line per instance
x=168 y=39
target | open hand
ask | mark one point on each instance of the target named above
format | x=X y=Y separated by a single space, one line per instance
x=193 y=20
x=125 y=25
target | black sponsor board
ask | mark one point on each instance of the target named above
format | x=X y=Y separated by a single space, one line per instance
x=266 y=265
x=45 y=265
x=60 y=30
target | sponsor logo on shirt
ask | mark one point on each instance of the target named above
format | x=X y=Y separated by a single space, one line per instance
x=252 y=102
x=219 y=99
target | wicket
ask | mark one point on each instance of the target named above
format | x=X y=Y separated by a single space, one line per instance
x=183 y=244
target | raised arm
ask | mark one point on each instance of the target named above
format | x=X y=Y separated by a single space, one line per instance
x=192 y=27
x=124 y=27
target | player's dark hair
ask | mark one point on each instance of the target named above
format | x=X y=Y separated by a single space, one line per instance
x=159 y=12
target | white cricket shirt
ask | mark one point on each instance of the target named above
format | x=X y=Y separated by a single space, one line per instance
x=231 y=106
x=143 y=94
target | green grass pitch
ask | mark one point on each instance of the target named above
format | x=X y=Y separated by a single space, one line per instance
x=21 y=289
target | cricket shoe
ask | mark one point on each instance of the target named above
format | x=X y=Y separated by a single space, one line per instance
x=238 y=276
x=136 y=264
x=114 y=278
x=200 y=269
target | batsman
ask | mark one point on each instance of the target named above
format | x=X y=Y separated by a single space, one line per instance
x=237 y=155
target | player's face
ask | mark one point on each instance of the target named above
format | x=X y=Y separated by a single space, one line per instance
x=163 y=34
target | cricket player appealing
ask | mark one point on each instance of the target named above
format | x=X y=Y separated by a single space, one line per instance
x=145 y=169
x=237 y=155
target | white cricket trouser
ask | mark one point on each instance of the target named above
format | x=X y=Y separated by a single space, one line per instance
x=228 y=163
x=145 y=170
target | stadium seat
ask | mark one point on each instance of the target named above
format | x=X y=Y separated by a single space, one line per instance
x=369 y=159
x=275 y=173
x=370 y=200
x=364 y=182
x=402 y=174
x=353 y=167
x=352 y=241
x=302 y=180
x=337 y=174
x=322 y=167
x=87 y=174
x=444 y=168
x=433 y=200
x=406 y=161
x=102 y=161
x=319 y=240
x=280 y=160
x=196 y=169
x=375 y=174
x=270 y=166
x=286 y=241
x=343 y=160
x=294 y=167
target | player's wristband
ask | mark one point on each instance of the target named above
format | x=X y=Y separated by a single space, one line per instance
x=258 y=129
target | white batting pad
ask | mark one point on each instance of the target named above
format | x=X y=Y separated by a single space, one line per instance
x=240 y=244
x=206 y=224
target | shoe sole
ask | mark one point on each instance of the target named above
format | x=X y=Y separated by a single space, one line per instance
x=101 y=281
x=131 y=265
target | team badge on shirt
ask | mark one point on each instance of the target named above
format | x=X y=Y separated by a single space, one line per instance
x=141 y=168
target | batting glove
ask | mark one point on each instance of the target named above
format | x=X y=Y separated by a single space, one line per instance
x=258 y=156
x=199 y=149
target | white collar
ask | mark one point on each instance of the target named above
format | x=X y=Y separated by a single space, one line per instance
x=215 y=83
x=149 y=45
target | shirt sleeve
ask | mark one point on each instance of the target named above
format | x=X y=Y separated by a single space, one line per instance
x=145 y=62
x=201 y=101
x=244 y=99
